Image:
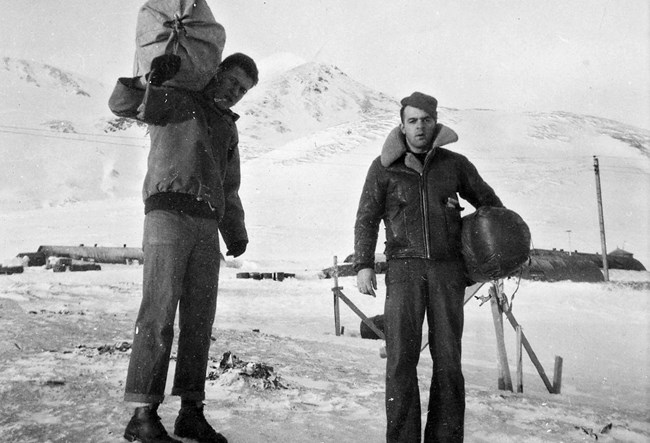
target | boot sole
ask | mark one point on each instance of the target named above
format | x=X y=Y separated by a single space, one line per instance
x=133 y=437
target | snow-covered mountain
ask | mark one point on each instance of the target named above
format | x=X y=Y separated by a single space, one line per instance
x=37 y=95
x=308 y=99
x=308 y=135
x=45 y=76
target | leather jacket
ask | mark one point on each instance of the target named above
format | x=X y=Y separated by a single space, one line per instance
x=418 y=202
x=194 y=149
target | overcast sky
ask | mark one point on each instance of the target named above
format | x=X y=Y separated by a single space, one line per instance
x=585 y=56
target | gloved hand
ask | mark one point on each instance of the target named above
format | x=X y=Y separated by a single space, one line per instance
x=163 y=68
x=237 y=248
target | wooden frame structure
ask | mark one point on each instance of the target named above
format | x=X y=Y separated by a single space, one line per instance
x=339 y=295
x=499 y=306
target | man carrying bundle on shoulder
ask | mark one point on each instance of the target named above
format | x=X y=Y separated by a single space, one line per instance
x=190 y=197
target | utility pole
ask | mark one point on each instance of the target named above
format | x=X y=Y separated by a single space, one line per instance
x=603 y=243
x=568 y=231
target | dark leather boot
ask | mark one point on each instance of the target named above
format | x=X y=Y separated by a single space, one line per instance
x=145 y=427
x=191 y=423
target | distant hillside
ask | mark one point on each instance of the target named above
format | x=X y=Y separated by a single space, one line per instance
x=38 y=95
x=44 y=76
x=558 y=124
x=58 y=140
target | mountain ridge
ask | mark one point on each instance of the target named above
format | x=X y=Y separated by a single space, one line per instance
x=305 y=98
x=43 y=75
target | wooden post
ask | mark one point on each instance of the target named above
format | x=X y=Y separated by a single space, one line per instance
x=361 y=315
x=504 y=381
x=338 y=296
x=531 y=353
x=335 y=290
x=520 y=368
x=557 y=375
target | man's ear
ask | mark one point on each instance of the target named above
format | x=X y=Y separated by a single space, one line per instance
x=401 y=128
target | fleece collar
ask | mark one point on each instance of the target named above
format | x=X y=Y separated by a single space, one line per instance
x=395 y=146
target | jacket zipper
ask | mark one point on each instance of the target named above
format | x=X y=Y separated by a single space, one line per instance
x=425 y=216
x=425 y=205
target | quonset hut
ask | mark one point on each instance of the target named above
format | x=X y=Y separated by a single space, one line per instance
x=545 y=265
x=554 y=265
x=97 y=254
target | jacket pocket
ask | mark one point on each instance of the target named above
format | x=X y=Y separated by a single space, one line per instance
x=454 y=227
x=397 y=228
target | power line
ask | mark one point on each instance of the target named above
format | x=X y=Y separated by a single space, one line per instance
x=23 y=128
x=77 y=139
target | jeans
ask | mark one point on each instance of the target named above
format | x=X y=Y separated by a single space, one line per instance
x=181 y=270
x=415 y=288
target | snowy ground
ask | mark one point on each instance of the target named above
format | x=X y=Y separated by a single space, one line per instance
x=57 y=386
x=300 y=199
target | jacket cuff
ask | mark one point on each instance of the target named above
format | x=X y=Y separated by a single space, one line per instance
x=131 y=83
x=359 y=266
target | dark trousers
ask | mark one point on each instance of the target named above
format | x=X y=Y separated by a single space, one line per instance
x=416 y=287
x=181 y=270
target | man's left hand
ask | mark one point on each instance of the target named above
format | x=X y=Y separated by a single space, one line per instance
x=237 y=248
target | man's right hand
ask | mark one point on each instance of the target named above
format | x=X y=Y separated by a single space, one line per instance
x=367 y=281
x=163 y=68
